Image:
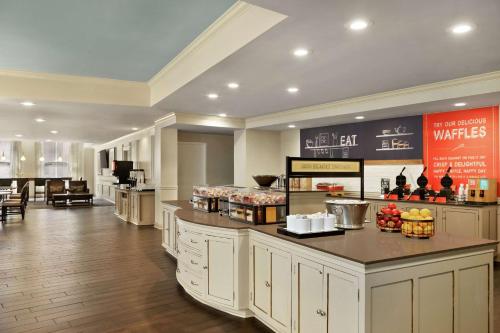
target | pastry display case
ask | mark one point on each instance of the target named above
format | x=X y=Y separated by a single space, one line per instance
x=205 y=198
x=257 y=207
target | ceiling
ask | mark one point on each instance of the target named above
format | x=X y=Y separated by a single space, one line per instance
x=75 y=122
x=117 y=39
x=407 y=44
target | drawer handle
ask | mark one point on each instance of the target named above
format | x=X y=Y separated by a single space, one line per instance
x=194 y=242
x=178 y=270
x=268 y=284
x=178 y=233
x=194 y=283
x=205 y=267
x=194 y=262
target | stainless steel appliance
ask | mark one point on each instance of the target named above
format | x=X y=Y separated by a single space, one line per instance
x=350 y=213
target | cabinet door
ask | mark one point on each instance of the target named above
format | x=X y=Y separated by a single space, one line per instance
x=219 y=275
x=342 y=304
x=461 y=222
x=310 y=310
x=281 y=286
x=261 y=278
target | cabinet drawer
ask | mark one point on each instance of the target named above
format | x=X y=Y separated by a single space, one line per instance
x=191 y=239
x=189 y=279
x=190 y=258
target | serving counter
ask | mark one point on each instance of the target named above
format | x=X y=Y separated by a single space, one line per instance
x=363 y=281
x=136 y=207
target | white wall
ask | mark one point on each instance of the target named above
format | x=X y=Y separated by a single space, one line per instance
x=257 y=152
x=220 y=155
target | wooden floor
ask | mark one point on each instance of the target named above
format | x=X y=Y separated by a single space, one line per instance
x=82 y=270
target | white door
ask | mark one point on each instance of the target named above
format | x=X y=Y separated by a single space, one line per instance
x=261 y=278
x=281 y=287
x=343 y=304
x=192 y=167
x=219 y=275
x=310 y=310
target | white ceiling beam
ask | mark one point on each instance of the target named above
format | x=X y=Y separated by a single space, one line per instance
x=458 y=88
x=74 y=89
x=238 y=26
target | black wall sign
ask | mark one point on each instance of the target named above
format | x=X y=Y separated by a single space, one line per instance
x=387 y=139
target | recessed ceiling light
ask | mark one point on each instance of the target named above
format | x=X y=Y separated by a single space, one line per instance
x=48 y=140
x=359 y=117
x=293 y=90
x=212 y=96
x=461 y=28
x=39 y=120
x=19 y=135
x=223 y=115
x=358 y=24
x=291 y=126
x=41 y=159
x=460 y=104
x=233 y=85
x=54 y=132
x=135 y=128
x=300 y=52
x=27 y=103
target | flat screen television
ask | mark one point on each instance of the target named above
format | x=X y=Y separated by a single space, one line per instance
x=104 y=159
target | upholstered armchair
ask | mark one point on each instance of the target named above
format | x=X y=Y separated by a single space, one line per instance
x=78 y=186
x=54 y=186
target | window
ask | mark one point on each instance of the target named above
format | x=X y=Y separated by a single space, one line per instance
x=55 y=161
x=5 y=159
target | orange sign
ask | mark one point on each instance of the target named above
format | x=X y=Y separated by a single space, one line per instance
x=465 y=140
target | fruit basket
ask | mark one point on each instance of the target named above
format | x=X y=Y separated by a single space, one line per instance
x=418 y=224
x=389 y=219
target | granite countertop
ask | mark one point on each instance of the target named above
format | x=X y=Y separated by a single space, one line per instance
x=366 y=246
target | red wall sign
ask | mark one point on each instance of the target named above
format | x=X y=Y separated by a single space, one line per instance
x=465 y=140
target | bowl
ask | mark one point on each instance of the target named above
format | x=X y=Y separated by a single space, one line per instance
x=265 y=180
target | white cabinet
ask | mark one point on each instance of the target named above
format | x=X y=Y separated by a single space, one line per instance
x=461 y=221
x=310 y=306
x=271 y=285
x=213 y=265
x=219 y=272
x=326 y=299
x=169 y=229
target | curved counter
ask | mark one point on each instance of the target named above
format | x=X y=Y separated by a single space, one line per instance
x=443 y=283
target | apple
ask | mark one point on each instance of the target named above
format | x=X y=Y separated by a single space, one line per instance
x=387 y=211
x=381 y=223
x=398 y=224
x=396 y=212
x=395 y=218
x=387 y=218
x=391 y=205
x=391 y=224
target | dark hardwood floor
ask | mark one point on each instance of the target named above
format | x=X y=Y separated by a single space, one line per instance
x=82 y=270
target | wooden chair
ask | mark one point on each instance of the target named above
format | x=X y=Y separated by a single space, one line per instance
x=16 y=206
x=54 y=186
x=78 y=186
x=39 y=188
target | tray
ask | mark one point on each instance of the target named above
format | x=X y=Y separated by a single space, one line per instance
x=284 y=231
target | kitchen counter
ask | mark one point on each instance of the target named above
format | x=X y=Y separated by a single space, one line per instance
x=366 y=246
x=134 y=206
x=384 y=281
